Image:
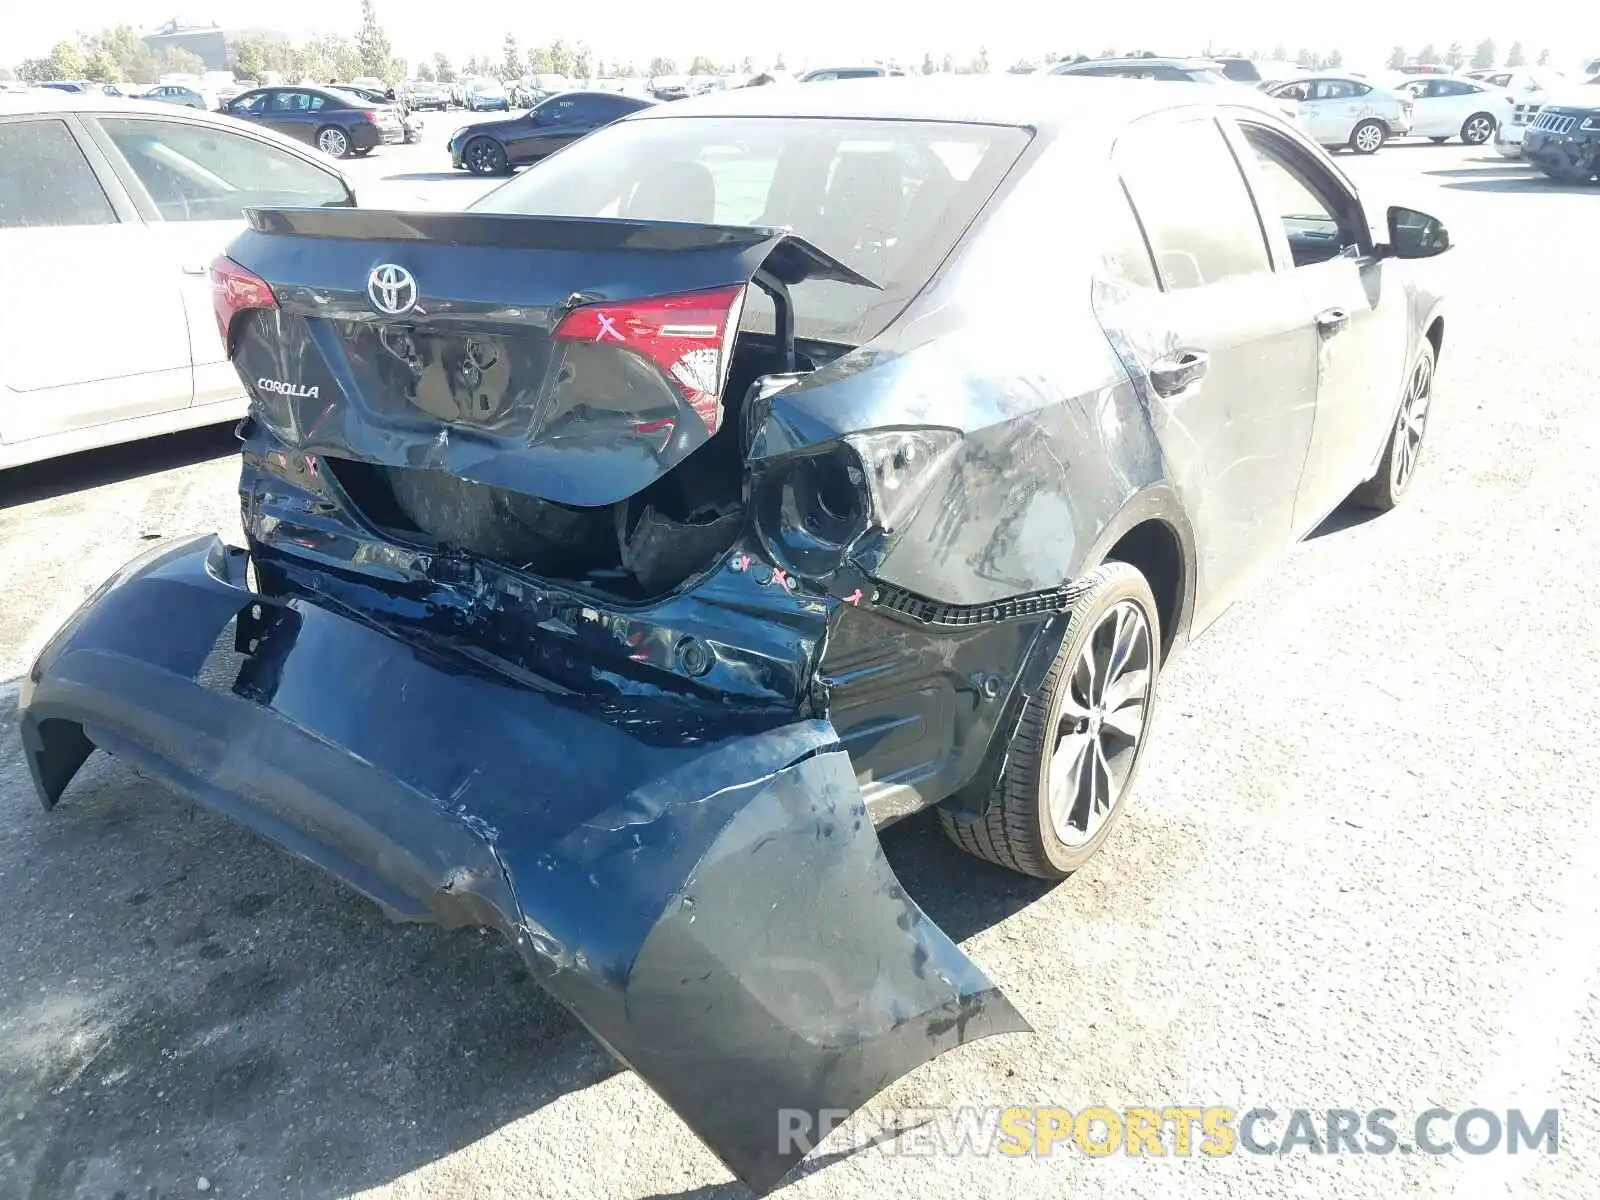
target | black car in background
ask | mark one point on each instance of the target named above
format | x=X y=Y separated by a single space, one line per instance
x=337 y=122
x=494 y=147
x=1563 y=141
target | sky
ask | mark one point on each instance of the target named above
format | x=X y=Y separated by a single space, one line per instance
x=839 y=31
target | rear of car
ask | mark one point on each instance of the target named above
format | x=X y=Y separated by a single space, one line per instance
x=539 y=580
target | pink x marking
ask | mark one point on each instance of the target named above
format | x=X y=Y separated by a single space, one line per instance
x=607 y=326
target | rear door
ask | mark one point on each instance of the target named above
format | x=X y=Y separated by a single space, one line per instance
x=1358 y=307
x=92 y=330
x=1331 y=110
x=192 y=181
x=294 y=112
x=1231 y=351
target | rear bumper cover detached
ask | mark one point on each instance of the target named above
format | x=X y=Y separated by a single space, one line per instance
x=704 y=891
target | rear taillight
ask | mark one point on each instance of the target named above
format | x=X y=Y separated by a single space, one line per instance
x=371 y=114
x=233 y=290
x=689 y=337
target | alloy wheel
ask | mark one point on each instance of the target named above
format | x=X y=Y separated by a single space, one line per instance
x=1411 y=424
x=331 y=141
x=1478 y=131
x=1100 y=723
x=1369 y=138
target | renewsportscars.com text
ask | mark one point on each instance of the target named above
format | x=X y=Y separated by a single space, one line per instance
x=1178 y=1131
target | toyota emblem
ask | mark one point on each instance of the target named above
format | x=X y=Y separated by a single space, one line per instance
x=392 y=289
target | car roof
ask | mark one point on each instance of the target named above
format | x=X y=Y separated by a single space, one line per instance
x=1042 y=102
x=575 y=93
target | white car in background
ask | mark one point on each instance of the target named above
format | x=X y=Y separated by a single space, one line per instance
x=1445 y=107
x=125 y=199
x=1524 y=92
x=1346 y=110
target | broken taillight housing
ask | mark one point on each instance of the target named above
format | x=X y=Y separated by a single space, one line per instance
x=811 y=509
x=688 y=336
x=233 y=291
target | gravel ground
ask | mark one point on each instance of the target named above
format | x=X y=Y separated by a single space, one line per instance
x=1360 y=870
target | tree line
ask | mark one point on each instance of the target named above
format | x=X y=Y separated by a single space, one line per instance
x=119 y=55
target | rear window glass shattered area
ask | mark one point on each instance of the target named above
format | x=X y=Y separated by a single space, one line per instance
x=888 y=198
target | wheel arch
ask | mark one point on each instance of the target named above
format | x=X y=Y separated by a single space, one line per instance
x=1152 y=533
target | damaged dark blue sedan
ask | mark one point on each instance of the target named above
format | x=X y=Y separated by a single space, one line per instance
x=623 y=551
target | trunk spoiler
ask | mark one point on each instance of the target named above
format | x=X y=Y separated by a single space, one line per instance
x=730 y=253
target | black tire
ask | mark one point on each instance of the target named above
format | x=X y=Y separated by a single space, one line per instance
x=1019 y=831
x=1438 y=141
x=1477 y=129
x=484 y=156
x=1368 y=136
x=1572 y=175
x=1407 y=438
x=332 y=140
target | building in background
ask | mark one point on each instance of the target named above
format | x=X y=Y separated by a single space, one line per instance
x=202 y=39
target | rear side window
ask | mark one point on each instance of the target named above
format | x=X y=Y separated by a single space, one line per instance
x=1192 y=199
x=46 y=180
x=197 y=173
x=888 y=198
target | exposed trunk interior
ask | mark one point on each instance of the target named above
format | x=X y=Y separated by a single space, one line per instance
x=637 y=549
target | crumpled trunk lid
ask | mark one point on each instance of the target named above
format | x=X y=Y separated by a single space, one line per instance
x=574 y=360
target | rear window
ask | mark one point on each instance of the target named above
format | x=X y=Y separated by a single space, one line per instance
x=888 y=198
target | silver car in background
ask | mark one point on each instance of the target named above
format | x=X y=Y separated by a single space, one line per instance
x=123 y=199
x=1347 y=111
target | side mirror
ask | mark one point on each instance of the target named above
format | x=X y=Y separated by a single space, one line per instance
x=1414 y=234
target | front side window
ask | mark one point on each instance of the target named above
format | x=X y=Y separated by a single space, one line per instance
x=196 y=173
x=46 y=180
x=1294 y=190
x=1192 y=200
x=888 y=198
x=251 y=103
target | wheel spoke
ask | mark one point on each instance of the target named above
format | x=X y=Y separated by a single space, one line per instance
x=1085 y=677
x=1128 y=687
x=1127 y=722
x=1069 y=797
x=1105 y=796
x=1123 y=642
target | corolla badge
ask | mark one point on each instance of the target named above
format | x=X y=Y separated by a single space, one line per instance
x=288 y=389
x=392 y=289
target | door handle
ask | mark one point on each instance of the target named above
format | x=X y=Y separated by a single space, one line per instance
x=194 y=268
x=1331 y=320
x=1172 y=375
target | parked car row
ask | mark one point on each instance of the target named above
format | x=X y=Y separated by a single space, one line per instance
x=98 y=187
